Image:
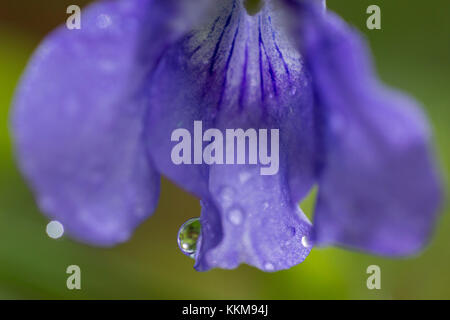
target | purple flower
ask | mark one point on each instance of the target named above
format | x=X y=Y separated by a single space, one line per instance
x=95 y=110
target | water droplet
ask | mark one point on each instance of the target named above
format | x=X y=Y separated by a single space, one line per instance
x=293 y=91
x=55 y=229
x=305 y=242
x=235 y=216
x=188 y=236
x=268 y=266
x=104 y=21
x=244 y=176
x=226 y=197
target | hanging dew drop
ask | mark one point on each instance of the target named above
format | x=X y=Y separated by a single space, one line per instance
x=188 y=236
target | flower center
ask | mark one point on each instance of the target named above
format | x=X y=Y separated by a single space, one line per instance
x=253 y=6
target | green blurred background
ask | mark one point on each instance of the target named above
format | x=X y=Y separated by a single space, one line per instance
x=412 y=52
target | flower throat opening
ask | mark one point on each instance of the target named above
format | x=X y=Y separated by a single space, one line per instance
x=253 y=6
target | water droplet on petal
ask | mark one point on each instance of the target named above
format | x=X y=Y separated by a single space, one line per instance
x=188 y=236
x=226 y=197
x=244 y=176
x=305 y=242
x=235 y=216
x=55 y=229
x=104 y=21
x=268 y=266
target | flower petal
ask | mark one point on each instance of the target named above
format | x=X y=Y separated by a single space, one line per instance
x=79 y=115
x=78 y=126
x=379 y=190
x=250 y=218
x=239 y=71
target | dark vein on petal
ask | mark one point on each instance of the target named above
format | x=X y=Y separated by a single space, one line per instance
x=244 y=80
x=216 y=49
x=261 y=73
x=272 y=74
x=278 y=48
x=194 y=51
x=227 y=65
x=213 y=28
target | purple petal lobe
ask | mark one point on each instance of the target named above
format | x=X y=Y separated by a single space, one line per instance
x=379 y=190
x=78 y=126
x=250 y=219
